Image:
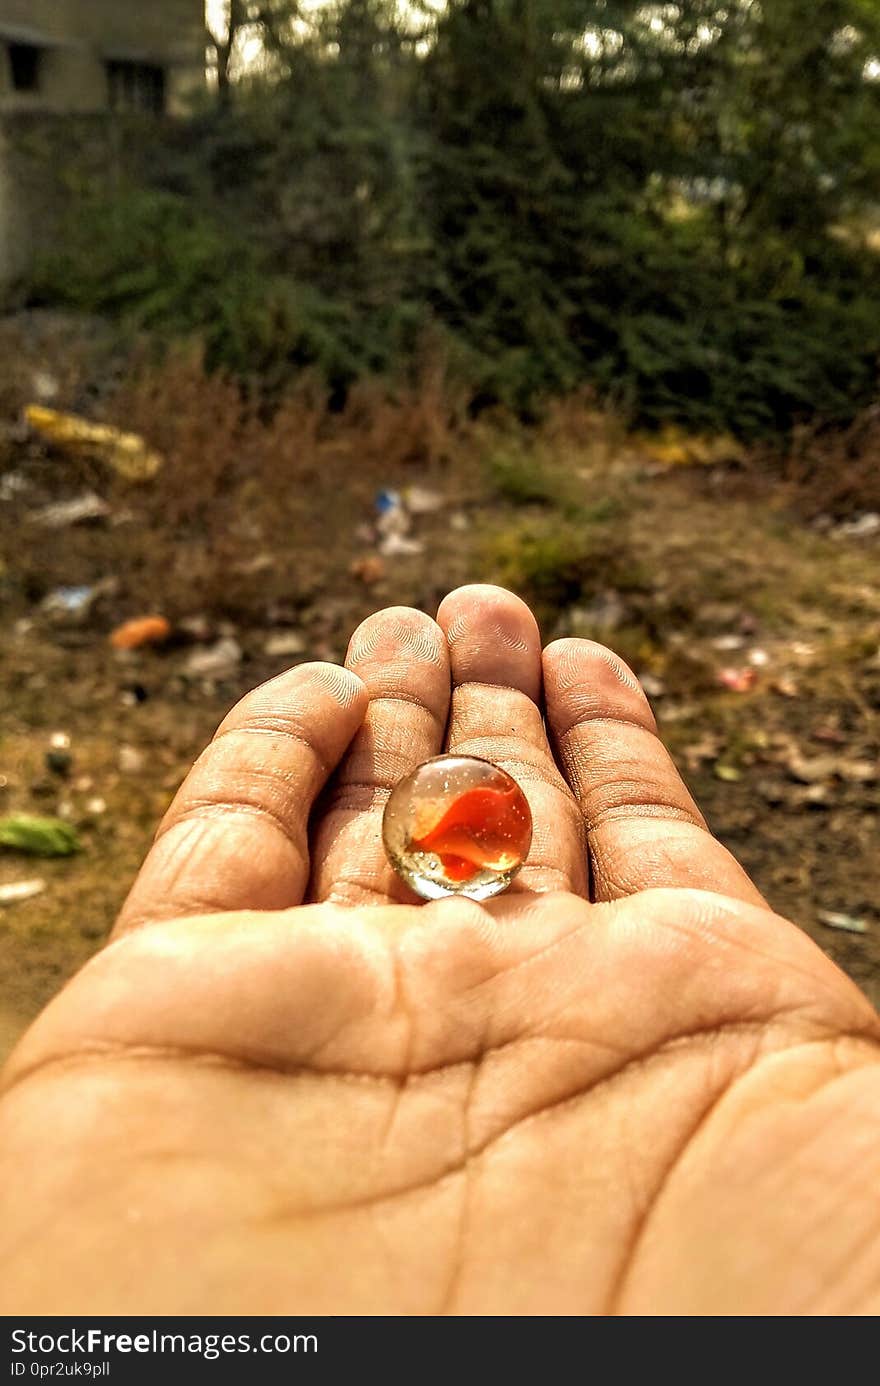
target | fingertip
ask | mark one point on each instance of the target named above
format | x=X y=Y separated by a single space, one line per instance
x=395 y=634
x=342 y=683
x=584 y=681
x=483 y=597
x=570 y=657
x=493 y=638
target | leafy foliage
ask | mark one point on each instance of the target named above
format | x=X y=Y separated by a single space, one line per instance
x=668 y=201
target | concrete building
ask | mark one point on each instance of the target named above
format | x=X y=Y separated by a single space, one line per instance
x=84 y=57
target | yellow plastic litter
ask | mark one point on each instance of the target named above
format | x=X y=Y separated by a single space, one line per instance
x=126 y=453
x=673 y=447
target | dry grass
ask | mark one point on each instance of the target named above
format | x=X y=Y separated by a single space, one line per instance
x=836 y=471
x=255 y=501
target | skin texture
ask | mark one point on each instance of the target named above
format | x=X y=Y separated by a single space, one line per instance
x=624 y=1087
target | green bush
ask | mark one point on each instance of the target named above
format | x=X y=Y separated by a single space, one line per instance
x=639 y=216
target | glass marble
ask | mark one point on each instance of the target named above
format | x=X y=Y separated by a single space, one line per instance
x=457 y=826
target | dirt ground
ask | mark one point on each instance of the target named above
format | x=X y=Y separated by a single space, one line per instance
x=698 y=582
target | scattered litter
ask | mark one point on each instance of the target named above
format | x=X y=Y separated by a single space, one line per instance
x=394 y=521
x=813 y=796
x=847 y=923
x=399 y=546
x=45 y=385
x=21 y=890
x=810 y=769
x=60 y=741
x=215 y=660
x=673 y=447
x=68 y=601
x=13 y=484
x=863 y=527
x=144 y=630
x=759 y=659
x=62 y=514
x=393 y=524
x=39 y=837
x=728 y=642
x=260 y=563
x=284 y=643
x=605 y=613
x=75 y=603
x=654 y=687
x=95 y=807
x=130 y=760
x=392 y=513
x=196 y=627
x=728 y=773
x=124 y=453
x=785 y=687
x=737 y=680
x=368 y=570
x=422 y=501
x=816 y=769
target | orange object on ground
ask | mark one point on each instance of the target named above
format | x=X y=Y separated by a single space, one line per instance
x=145 y=630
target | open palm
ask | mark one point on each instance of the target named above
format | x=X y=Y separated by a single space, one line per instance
x=624 y=1087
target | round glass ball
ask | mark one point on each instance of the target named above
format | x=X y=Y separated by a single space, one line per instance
x=457 y=825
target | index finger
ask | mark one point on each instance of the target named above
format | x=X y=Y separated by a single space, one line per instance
x=236 y=835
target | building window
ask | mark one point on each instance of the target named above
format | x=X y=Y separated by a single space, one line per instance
x=136 y=86
x=24 y=63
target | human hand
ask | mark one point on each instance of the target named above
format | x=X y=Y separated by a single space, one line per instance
x=625 y=1086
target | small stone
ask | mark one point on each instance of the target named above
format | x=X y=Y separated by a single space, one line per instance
x=285 y=643
x=654 y=687
x=131 y=760
x=59 y=762
x=215 y=661
x=369 y=570
x=457 y=825
x=420 y=500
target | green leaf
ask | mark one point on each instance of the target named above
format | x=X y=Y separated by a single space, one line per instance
x=38 y=837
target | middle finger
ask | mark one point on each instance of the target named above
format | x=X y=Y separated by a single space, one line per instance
x=495 y=657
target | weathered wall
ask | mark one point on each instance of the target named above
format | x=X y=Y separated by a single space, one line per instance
x=84 y=33
x=143 y=26
x=76 y=39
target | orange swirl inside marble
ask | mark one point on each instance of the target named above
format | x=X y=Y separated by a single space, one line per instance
x=483 y=829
